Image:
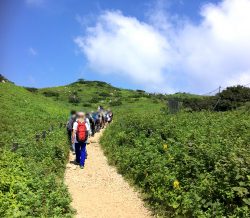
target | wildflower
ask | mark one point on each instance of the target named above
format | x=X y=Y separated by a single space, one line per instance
x=176 y=184
x=165 y=147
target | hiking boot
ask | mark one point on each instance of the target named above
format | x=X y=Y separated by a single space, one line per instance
x=76 y=163
x=81 y=167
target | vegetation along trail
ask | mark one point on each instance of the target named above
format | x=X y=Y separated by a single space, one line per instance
x=98 y=190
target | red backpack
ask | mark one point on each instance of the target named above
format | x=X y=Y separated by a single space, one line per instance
x=81 y=132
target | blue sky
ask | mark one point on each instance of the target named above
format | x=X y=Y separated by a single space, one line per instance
x=54 y=42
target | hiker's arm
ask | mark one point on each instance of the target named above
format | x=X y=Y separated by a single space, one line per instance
x=73 y=136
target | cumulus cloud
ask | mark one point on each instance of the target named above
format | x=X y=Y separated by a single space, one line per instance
x=169 y=53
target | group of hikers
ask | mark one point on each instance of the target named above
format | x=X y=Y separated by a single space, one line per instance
x=81 y=126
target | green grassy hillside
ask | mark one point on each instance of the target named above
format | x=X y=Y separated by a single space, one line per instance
x=87 y=95
x=31 y=174
x=191 y=164
x=188 y=164
x=31 y=171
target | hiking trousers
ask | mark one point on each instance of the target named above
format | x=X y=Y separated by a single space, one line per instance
x=80 y=152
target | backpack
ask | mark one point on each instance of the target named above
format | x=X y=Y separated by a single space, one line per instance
x=81 y=132
x=70 y=124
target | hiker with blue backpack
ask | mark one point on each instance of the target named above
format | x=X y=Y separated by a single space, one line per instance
x=80 y=137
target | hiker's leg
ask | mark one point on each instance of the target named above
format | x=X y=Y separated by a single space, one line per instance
x=83 y=154
x=78 y=152
x=73 y=147
x=69 y=136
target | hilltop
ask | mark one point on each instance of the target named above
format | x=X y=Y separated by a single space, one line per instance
x=87 y=95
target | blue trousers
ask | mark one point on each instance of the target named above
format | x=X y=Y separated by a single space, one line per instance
x=80 y=153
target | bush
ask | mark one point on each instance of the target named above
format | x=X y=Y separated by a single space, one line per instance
x=81 y=81
x=31 y=89
x=229 y=99
x=51 y=94
x=74 y=99
x=95 y=100
x=198 y=104
x=233 y=97
x=87 y=104
x=140 y=91
x=104 y=94
x=115 y=103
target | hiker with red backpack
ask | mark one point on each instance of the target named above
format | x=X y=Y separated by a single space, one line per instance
x=79 y=137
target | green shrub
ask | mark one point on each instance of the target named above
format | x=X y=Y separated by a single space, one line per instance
x=87 y=104
x=116 y=103
x=104 y=94
x=229 y=99
x=74 y=99
x=51 y=94
x=233 y=97
x=95 y=100
x=31 y=89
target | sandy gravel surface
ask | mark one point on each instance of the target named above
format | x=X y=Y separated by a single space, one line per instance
x=99 y=191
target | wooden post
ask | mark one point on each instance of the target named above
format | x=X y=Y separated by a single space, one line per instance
x=14 y=146
x=37 y=137
x=44 y=134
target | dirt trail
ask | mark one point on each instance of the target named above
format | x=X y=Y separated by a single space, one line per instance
x=99 y=191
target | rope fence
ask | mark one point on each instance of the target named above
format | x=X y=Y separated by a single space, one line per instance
x=39 y=136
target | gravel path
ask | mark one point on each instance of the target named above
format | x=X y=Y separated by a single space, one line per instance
x=99 y=191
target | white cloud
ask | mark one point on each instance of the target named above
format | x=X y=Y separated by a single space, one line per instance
x=167 y=53
x=32 y=51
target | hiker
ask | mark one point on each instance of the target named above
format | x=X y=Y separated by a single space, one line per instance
x=92 y=123
x=79 y=137
x=88 y=124
x=69 y=126
x=109 y=119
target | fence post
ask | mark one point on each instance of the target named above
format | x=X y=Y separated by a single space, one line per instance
x=14 y=146
x=37 y=137
x=44 y=134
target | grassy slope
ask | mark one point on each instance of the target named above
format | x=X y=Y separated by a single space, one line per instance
x=207 y=152
x=104 y=93
x=31 y=177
